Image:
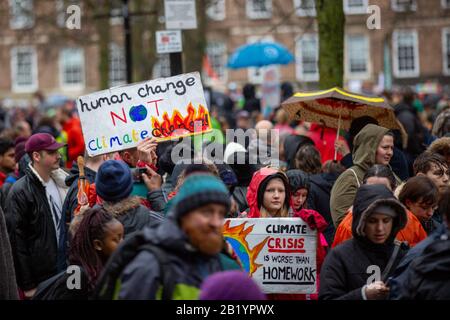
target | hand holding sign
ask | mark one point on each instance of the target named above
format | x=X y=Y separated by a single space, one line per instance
x=146 y=150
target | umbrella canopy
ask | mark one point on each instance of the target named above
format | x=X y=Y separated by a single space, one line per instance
x=336 y=108
x=259 y=54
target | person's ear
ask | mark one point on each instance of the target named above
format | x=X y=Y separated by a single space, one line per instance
x=36 y=156
x=420 y=174
x=408 y=203
x=98 y=245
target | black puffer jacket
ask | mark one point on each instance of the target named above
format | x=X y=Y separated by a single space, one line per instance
x=32 y=231
x=133 y=215
x=344 y=272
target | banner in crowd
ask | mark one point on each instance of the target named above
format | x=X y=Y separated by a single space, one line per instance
x=278 y=253
x=167 y=108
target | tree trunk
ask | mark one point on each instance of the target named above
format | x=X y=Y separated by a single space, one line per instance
x=103 y=43
x=331 y=23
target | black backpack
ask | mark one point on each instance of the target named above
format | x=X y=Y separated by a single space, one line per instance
x=128 y=250
x=55 y=288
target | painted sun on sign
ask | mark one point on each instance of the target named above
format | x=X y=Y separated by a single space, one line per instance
x=236 y=237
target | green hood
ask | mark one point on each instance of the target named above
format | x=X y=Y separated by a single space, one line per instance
x=365 y=145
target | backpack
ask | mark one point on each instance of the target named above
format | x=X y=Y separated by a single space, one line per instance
x=55 y=288
x=128 y=250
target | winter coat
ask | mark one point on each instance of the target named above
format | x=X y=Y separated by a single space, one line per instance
x=364 y=151
x=427 y=277
x=344 y=272
x=413 y=233
x=398 y=282
x=32 y=230
x=132 y=214
x=319 y=199
x=75 y=140
x=407 y=116
x=324 y=139
x=240 y=196
x=9 y=181
x=141 y=278
x=314 y=220
x=254 y=189
x=291 y=145
x=8 y=286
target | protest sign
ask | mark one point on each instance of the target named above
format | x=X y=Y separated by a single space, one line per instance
x=167 y=108
x=278 y=253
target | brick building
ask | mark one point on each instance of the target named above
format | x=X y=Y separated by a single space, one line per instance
x=412 y=46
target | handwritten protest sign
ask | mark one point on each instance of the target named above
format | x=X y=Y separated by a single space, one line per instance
x=279 y=253
x=166 y=108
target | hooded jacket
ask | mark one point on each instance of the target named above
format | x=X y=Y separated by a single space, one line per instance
x=364 y=152
x=132 y=214
x=399 y=281
x=291 y=145
x=32 y=230
x=255 y=191
x=141 y=278
x=413 y=233
x=427 y=276
x=344 y=272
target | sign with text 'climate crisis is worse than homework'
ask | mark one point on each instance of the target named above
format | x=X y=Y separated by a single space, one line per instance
x=167 y=108
x=278 y=253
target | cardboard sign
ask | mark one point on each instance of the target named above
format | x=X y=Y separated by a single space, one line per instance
x=278 y=253
x=167 y=108
x=180 y=14
x=168 y=41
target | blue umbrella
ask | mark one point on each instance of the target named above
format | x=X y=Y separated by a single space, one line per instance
x=259 y=54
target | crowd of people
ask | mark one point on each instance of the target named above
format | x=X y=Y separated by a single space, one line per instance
x=135 y=224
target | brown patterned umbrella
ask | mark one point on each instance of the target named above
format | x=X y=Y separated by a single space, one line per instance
x=336 y=108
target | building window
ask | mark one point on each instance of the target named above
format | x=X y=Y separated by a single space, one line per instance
x=406 y=54
x=355 y=6
x=403 y=5
x=357 y=56
x=117 y=65
x=216 y=10
x=24 y=69
x=259 y=9
x=445 y=4
x=72 y=68
x=21 y=14
x=307 y=57
x=446 y=50
x=305 y=8
x=161 y=69
x=217 y=58
x=61 y=11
